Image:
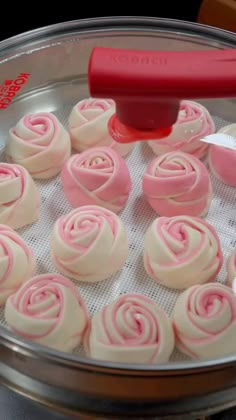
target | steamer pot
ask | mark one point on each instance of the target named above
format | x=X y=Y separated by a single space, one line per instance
x=49 y=70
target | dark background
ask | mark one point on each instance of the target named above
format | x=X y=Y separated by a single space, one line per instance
x=41 y=13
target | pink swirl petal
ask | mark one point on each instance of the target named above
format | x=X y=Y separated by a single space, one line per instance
x=204 y=321
x=222 y=164
x=48 y=309
x=182 y=251
x=89 y=244
x=177 y=183
x=96 y=104
x=194 y=122
x=98 y=176
x=19 y=196
x=17 y=262
x=88 y=126
x=222 y=161
x=133 y=328
x=40 y=144
x=37 y=126
x=231 y=269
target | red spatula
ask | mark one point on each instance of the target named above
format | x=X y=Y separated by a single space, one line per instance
x=148 y=86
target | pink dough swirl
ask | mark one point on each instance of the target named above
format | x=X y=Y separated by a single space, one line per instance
x=89 y=244
x=88 y=126
x=133 y=329
x=222 y=161
x=17 y=262
x=231 y=269
x=97 y=176
x=204 y=321
x=40 y=144
x=182 y=251
x=177 y=183
x=194 y=122
x=49 y=310
x=19 y=196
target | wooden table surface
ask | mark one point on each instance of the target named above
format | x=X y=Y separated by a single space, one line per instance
x=219 y=13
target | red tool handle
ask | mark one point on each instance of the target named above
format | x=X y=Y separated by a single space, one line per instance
x=147 y=86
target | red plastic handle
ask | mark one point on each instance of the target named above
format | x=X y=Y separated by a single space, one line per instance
x=148 y=86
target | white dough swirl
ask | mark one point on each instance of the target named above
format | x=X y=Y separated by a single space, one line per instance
x=40 y=143
x=133 y=329
x=89 y=244
x=182 y=251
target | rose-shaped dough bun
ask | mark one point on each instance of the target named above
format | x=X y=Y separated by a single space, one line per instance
x=40 y=143
x=177 y=183
x=19 y=196
x=88 y=126
x=222 y=161
x=231 y=269
x=204 y=320
x=194 y=122
x=17 y=262
x=89 y=244
x=49 y=310
x=182 y=251
x=97 y=176
x=133 y=329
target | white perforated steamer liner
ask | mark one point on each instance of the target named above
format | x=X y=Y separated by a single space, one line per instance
x=137 y=216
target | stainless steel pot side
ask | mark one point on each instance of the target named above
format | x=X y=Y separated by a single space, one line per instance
x=56 y=58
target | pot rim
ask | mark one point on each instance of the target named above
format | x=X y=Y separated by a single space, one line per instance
x=113 y=22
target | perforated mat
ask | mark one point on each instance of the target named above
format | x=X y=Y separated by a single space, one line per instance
x=137 y=216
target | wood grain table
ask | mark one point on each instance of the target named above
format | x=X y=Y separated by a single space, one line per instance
x=219 y=13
